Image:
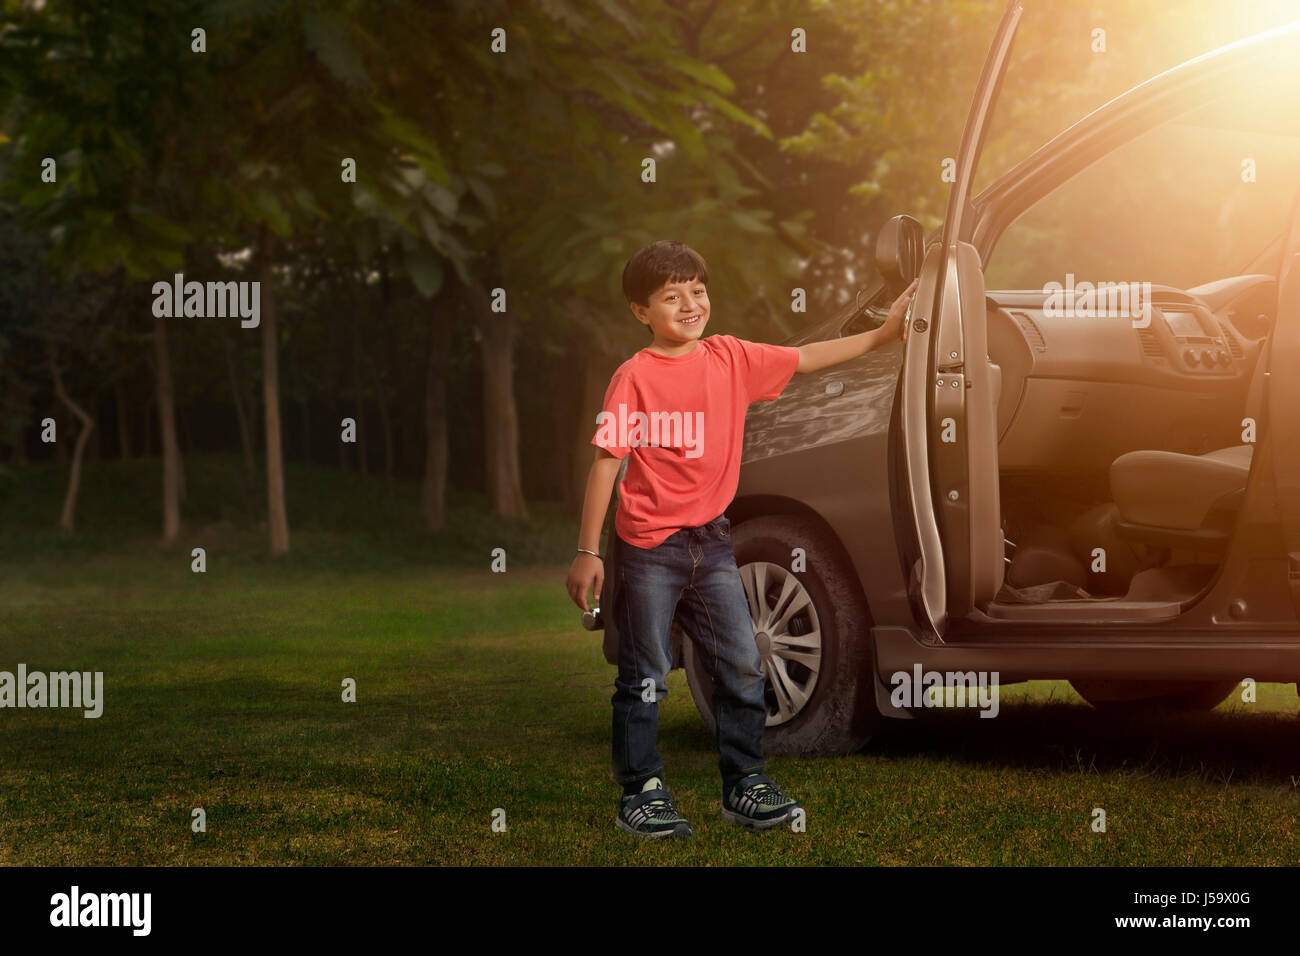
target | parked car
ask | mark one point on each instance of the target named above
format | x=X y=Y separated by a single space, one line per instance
x=1008 y=490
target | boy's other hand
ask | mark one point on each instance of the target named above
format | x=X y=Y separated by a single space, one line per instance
x=586 y=573
x=893 y=327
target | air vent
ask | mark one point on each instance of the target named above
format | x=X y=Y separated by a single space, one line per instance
x=1233 y=345
x=1150 y=344
x=1031 y=330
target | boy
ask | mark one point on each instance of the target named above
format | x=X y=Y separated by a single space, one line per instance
x=678 y=408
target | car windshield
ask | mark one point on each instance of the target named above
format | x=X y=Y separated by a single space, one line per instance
x=1203 y=197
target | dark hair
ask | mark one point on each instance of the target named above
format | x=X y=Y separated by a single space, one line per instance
x=658 y=263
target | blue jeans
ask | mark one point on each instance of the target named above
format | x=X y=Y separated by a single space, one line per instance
x=691 y=573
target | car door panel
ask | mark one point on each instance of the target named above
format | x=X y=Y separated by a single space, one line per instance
x=949 y=403
x=1283 y=393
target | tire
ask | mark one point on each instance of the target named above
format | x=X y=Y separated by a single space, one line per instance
x=838 y=714
x=1123 y=696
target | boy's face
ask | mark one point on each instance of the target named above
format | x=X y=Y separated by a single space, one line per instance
x=677 y=313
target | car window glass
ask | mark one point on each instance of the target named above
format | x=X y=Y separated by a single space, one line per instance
x=1186 y=203
x=1070 y=58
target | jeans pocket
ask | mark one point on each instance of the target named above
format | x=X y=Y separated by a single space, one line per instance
x=723 y=525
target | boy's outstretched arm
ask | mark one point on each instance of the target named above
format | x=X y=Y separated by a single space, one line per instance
x=588 y=571
x=819 y=355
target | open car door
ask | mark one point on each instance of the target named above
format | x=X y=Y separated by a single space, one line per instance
x=1283 y=404
x=948 y=397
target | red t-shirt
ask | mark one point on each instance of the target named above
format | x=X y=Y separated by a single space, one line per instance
x=683 y=419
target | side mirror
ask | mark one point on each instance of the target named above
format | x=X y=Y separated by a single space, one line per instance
x=899 y=251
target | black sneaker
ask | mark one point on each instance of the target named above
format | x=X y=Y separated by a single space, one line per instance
x=758 y=803
x=651 y=813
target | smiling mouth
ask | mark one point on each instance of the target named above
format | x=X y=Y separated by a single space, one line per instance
x=694 y=320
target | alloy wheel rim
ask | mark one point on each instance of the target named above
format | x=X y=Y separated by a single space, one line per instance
x=788 y=634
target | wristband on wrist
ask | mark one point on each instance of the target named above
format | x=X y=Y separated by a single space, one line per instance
x=585 y=551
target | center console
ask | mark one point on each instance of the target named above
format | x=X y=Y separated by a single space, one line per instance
x=1186 y=336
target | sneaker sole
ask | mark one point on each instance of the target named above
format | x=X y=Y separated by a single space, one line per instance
x=682 y=831
x=749 y=823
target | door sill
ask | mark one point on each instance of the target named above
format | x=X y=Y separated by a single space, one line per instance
x=1092 y=612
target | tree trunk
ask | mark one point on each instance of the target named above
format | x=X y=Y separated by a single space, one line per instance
x=306 y=430
x=183 y=421
x=241 y=414
x=277 y=520
x=171 y=454
x=150 y=425
x=386 y=423
x=500 y=417
x=60 y=448
x=67 y=520
x=363 y=458
x=123 y=424
x=340 y=413
x=433 y=492
x=363 y=454
x=390 y=365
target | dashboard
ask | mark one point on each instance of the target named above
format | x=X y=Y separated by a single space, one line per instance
x=1079 y=389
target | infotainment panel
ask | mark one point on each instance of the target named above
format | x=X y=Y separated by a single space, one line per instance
x=1192 y=339
x=1185 y=325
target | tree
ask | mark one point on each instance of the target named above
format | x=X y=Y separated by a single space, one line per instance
x=96 y=161
x=129 y=144
x=548 y=195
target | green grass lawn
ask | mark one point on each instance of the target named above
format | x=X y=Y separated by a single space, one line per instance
x=479 y=691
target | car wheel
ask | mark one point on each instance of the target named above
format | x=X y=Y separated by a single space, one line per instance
x=1142 y=695
x=813 y=633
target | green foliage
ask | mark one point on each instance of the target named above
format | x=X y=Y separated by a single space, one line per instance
x=902 y=106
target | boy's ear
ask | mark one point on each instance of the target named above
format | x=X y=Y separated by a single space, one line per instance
x=640 y=311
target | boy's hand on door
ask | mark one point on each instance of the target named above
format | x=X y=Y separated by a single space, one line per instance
x=893 y=325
